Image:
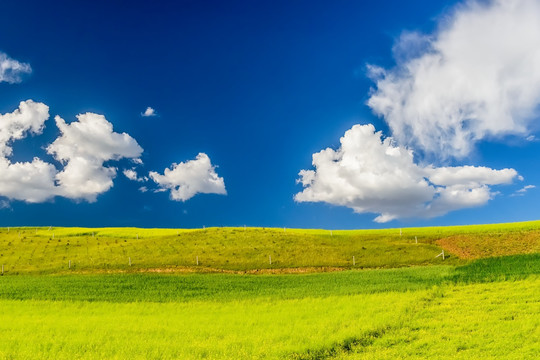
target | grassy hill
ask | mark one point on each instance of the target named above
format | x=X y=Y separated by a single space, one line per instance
x=52 y=250
x=439 y=312
x=165 y=306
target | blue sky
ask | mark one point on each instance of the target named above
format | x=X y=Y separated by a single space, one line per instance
x=259 y=87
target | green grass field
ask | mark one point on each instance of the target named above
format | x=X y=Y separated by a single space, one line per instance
x=164 y=307
x=50 y=250
x=26 y=250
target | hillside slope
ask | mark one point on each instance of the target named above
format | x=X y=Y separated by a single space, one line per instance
x=57 y=250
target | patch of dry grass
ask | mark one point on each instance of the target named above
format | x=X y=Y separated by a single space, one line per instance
x=477 y=246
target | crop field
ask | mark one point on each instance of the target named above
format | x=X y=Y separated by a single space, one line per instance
x=397 y=301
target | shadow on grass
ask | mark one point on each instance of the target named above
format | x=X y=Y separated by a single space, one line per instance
x=346 y=346
x=514 y=267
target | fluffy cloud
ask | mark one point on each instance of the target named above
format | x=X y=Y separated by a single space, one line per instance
x=83 y=148
x=132 y=175
x=28 y=181
x=92 y=137
x=30 y=117
x=32 y=182
x=11 y=70
x=149 y=112
x=185 y=180
x=371 y=175
x=476 y=77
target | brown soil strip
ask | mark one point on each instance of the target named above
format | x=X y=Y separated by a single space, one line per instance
x=488 y=245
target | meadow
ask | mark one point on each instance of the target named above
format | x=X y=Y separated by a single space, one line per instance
x=404 y=304
x=57 y=250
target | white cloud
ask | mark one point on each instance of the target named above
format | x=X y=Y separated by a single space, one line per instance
x=131 y=174
x=523 y=190
x=469 y=175
x=83 y=147
x=92 y=136
x=185 y=180
x=27 y=181
x=526 y=187
x=476 y=77
x=149 y=112
x=32 y=182
x=371 y=175
x=30 y=117
x=11 y=70
x=143 y=189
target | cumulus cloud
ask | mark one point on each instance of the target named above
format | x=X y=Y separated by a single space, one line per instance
x=92 y=136
x=27 y=181
x=185 y=180
x=132 y=175
x=373 y=175
x=30 y=117
x=32 y=182
x=149 y=112
x=83 y=147
x=476 y=77
x=11 y=70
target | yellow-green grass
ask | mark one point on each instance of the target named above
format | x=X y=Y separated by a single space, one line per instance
x=479 y=321
x=411 y=312
x=134 y=287
x=446 y=321
x=261 y=329
x=151 y=287
x=28 y=250
x=51 y=250
x=455 y=309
